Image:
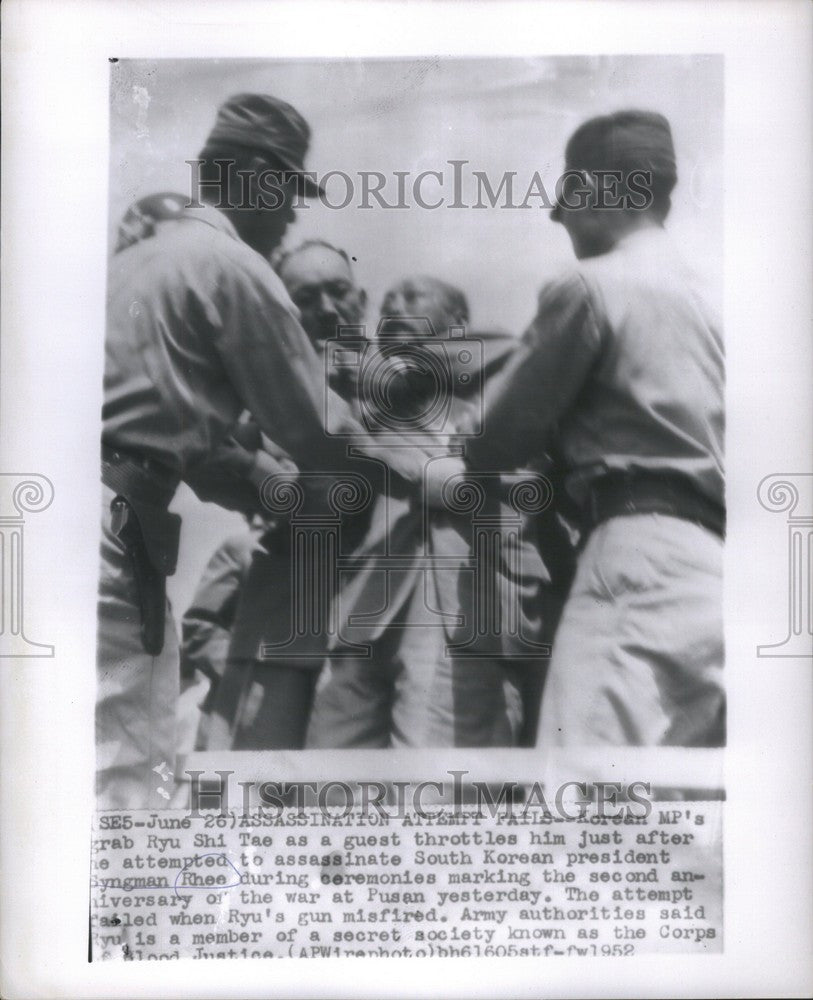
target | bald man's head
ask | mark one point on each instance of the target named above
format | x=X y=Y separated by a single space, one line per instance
x=422 y=296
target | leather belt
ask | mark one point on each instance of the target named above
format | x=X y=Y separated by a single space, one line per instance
x=620 y=494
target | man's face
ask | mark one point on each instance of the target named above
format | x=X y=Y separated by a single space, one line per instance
x=264 y=207
x=413 y=298
x=320 y=283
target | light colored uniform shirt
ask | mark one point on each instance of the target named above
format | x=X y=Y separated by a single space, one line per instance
x=624 y=362
x=199 y=329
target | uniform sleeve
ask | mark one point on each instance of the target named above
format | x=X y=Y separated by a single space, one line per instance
x=232 y=477
x=273 y=366
x=282 y=382
x=208 y=621
x=541 y=379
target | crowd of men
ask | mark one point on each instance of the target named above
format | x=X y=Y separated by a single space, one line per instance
x=420 y=501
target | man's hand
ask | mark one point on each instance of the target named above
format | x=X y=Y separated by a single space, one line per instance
x=264 y=466
x=438 y=472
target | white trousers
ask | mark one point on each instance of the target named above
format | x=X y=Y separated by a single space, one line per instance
x=638 y=656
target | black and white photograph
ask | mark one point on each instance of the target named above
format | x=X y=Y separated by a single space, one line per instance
x=439 y=468
x=430 y=339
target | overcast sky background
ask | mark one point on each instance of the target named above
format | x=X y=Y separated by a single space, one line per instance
x=413 y=115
